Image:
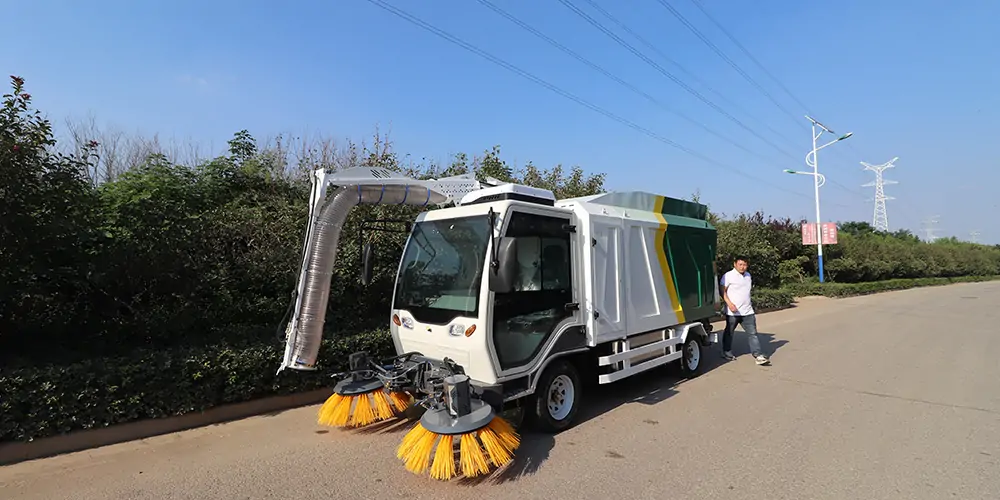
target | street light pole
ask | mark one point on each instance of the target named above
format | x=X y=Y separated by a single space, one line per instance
x=819 y=234
x=818 y=180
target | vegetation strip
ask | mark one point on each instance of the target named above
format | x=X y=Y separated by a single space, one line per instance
x=135 y=285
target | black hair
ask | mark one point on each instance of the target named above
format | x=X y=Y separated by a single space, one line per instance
x=741 y=257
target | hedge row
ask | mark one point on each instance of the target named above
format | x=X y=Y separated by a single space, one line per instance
x=42 y=401
x=36 y=402
x=767 y=299
x=855 y=289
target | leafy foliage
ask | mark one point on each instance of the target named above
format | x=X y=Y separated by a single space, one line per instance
x=43 y=401
x=159 y=290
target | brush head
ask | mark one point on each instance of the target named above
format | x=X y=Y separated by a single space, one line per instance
x=440 y=421
x=351 y=387
x=470 y=454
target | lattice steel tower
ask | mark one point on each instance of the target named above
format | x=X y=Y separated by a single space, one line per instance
x=881 y=219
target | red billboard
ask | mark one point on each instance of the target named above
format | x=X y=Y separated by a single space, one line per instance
x=828 y=231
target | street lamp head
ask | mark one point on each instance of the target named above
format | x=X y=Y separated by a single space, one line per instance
x=789 y=171
x=845 y=136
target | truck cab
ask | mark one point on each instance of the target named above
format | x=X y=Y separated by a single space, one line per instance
x=444 y=305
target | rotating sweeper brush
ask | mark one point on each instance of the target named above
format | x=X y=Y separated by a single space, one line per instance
x=459 y=434
x=458 y=428
x=362 y=398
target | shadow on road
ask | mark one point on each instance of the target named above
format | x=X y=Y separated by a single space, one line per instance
x=534 y=450
x=649 y=388
x=741 y=346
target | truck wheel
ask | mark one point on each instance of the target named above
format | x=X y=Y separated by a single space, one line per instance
x=557 y=397
x=691 y=357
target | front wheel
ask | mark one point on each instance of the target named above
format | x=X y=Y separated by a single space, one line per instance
x=557 y=397
x=691 y=357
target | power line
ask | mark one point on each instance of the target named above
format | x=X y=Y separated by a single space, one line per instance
x=649 y=45
x=666 y=73
x=510 y=67
x=667 y=58
x=747 y=53
x=610 y=75
x=726 y=58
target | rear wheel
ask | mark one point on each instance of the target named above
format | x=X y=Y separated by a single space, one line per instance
x=691 y=357
x=557 y=397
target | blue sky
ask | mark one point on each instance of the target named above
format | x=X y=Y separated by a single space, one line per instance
x=910 y=79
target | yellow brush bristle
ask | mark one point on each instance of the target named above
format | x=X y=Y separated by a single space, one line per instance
x=473 y=460
x=495 y=447
x=411 y=438
x=419 y=456
x=363 y=412
x=340 y=415
x=329 y=408
x=400 y=400
x=382 y=409
x=443 y=467
x=505 y=432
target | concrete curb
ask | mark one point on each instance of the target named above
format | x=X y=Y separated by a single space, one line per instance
x=11 y=453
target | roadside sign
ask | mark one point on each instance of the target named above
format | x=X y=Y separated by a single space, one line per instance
x=828 y=231
x=808 y=233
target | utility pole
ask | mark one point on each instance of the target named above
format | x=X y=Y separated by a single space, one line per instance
x=930 y=225
x=881 y=219
x=818 y=180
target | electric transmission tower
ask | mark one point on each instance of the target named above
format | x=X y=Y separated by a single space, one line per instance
x=881 y=219
x=975 y=236
x=930 y=226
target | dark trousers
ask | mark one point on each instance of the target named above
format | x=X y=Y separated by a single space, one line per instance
x=749 y=323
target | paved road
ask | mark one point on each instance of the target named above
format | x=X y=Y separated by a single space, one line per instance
x=888 y=396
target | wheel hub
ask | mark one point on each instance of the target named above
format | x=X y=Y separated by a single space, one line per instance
x=561 y=396
x=692 y=354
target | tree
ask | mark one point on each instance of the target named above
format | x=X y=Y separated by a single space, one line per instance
x=46 y=228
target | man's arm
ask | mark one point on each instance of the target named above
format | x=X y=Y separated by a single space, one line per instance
x=725 y=294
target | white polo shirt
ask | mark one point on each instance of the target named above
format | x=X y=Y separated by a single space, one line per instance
x=739 y=292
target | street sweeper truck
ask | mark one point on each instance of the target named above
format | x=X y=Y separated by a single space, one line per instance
x=506 y=298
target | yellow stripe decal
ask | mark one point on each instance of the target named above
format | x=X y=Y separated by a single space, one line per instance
x=661 y=252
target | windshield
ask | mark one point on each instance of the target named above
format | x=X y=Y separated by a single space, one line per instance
x=442 y=268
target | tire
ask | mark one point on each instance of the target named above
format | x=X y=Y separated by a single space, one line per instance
x=562 y=380
x=693 y=356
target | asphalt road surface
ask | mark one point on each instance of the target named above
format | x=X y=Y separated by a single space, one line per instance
x=887 y=396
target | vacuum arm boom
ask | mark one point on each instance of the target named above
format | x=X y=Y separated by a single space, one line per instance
x=352 y=187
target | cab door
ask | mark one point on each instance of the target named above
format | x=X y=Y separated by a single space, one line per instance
x=544 y=294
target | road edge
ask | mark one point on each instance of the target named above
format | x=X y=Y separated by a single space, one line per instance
x=15 y=452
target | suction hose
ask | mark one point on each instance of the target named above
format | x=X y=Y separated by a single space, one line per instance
x=303 y=341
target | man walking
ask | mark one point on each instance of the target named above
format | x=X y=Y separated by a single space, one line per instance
x=736 y=285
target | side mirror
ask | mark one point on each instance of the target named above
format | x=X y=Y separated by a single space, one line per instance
x=367 y=263
x=504 y=269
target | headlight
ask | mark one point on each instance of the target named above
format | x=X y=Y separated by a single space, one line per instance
x=456 y=330
x=408 y=322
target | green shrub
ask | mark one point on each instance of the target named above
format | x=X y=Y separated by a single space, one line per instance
x=767 y=299
x=47 y=400
x=853 y=289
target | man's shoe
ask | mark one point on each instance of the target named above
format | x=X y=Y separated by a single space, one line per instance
x=728 y=356
x=762 y=360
